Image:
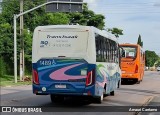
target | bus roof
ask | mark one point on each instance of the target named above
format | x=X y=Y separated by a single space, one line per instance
x=128 y=44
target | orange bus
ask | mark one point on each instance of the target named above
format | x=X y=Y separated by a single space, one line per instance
x=132 y=62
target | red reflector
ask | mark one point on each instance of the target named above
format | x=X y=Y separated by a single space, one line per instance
x=90 y=78
x=136 y=69
x=88 y=93
x=35 y=77
x=35 y=91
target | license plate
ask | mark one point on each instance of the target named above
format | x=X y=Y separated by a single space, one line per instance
x=60 y=86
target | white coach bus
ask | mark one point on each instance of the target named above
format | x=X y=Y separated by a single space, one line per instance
x=74 y=60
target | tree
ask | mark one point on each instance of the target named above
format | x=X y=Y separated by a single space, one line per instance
x=116 y=31
x=6 y=47
x=151 y=58
x=140 y=41
x=87 y=18
x=158 y=62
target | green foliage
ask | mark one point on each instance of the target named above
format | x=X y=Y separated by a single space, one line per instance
x=28 y=51
x=2 y=67
x=96 y=21
x=5 y=39
x=158 y=62
x=151 y=58
x=140 y=41
x=7 y=80
x=8 y=9
x=6 y=48
x=87 y=18
x=116 y=31
x=56 y=19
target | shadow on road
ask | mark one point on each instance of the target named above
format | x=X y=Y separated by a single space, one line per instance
x=71 y=102
x=128 y=82
x=139 y=91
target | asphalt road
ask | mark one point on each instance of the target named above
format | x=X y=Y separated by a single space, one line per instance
x=145 y=93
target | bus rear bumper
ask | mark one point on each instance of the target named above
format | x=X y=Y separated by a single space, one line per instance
x=78 y=91
x=130 y=76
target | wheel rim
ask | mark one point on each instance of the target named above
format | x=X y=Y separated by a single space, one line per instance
x=102 y=97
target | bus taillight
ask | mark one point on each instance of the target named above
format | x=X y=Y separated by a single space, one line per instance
x=35 y=77
x=136 y=69
x=90 y=78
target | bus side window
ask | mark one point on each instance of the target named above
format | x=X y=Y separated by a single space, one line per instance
x=98 y=52
x=107 y=49
x=100 y=48
x=116 y=53
x=109 y=57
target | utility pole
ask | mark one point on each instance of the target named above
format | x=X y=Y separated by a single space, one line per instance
x=21 y=43
x=15 y=48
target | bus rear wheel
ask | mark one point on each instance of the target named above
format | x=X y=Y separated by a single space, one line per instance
x=118 y=86
x=137 y=81
x=99 y=99
x=56 y=98
x=112 y=93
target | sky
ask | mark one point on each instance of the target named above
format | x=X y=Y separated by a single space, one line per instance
x=134 y=17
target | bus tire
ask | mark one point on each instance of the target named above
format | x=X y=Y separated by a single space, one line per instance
x=118 y=84
x=104 y=91
x=142 y=79
x=138 y=82
x=99 y=99
x=56 y=98
x=112 y=93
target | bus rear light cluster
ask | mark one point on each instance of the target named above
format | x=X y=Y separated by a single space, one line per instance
x=136 y=69
x=90 y=78
x=35 y=77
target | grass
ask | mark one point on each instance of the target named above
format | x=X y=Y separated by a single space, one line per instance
x=8 y=80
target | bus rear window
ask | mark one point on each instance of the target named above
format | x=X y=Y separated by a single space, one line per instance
x=62 y=42
x=130 y=52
